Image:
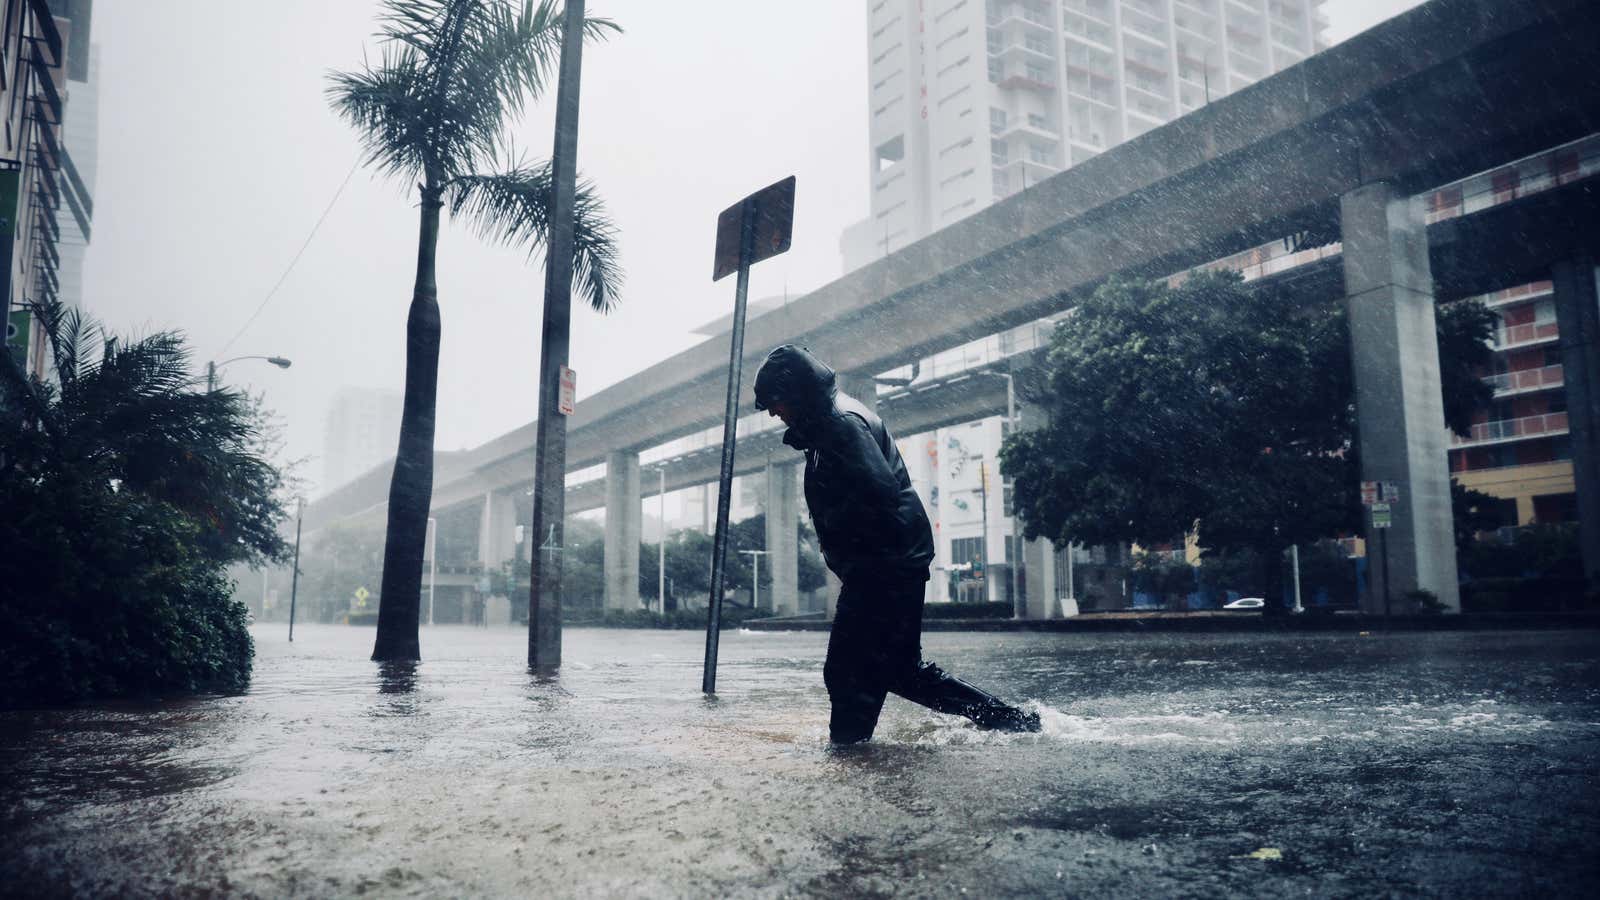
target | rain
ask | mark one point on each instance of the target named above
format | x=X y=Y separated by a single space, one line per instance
x=857 y=448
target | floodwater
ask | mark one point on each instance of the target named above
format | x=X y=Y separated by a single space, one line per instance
x=1412 y=764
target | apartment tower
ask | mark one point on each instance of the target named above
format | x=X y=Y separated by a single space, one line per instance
x=971 y=101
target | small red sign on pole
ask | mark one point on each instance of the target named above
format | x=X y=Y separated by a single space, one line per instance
x=569 y=391
x=1369 y=493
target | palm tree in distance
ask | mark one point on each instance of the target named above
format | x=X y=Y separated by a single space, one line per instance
x=433 y=113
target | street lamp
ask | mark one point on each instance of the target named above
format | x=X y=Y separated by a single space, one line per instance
x=1018 y=607
x=755 y=579
x=433 y=562
x=212 y=367
x=661 y=541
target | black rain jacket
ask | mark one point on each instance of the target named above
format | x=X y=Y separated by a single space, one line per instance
x=869 y=519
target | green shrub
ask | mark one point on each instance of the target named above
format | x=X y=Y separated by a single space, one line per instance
x=111 y=599
x=126 y=490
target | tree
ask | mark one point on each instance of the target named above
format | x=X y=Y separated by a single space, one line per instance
x=432 y=113
x=1202 y=408
x=127 y=491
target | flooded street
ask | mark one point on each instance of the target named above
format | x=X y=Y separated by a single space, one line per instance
x=1414 y=763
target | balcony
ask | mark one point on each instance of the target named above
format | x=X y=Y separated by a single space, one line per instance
x=1525 y=381
x=1525 y=335
x=1090 y=9
x=1545 y=425
x=1022 y=17
x=1025 y=173
x=1026 y=83
x=1031 y=126
x=1022 y=51
x=1512 y=296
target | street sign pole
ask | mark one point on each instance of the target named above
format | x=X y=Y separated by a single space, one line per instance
x=1383 y=551
x=730 y=423
x=550 y=442
x=759 y=226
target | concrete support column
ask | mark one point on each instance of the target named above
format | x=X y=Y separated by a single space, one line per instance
x=497 y=529
x=1394 y=350
x=783 y=536
x=864 y=389
x=624 y=520
x=1578 y=318
x=1039 y=573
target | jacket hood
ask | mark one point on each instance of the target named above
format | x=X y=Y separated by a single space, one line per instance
x=792 y=375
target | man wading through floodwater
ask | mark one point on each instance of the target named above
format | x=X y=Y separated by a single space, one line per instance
x=875 y=536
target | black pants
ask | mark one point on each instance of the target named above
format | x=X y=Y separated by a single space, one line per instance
x=876 y=647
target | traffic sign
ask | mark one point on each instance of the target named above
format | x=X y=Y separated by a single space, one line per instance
x=1381 y=516
x=1391 y=491
x=1369 y=493
x=569 y=391
x=362 y=594
x=772 y=223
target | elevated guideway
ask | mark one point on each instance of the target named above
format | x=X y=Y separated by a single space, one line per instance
x=1337 y=145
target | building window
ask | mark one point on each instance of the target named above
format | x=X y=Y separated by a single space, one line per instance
x=997 y=119
x=891 y=152
x=999 y=153
x=966 y=550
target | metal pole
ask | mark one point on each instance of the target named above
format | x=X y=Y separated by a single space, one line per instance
x=1383 y=549
x=263 y=590
x=661 y=545
x=983 y=545
x=730 y=424
x=1019 y=607
x=1294 y=559
x=211 y=376
x=1072 y=594
x=294 y=583
x=433 y=562
x=550 y=447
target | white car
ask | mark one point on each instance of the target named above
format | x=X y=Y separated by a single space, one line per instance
x=1246 y=603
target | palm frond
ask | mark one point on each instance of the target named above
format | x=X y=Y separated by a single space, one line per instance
x=386 y=105
x=452 y=72
x=514 y=208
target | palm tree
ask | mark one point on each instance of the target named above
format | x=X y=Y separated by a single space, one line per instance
x=432 y=113
x=124 y=415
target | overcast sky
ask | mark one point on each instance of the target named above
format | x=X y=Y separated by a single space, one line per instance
x=218 y=153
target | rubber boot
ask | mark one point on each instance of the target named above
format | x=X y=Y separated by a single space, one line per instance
x=934 y=688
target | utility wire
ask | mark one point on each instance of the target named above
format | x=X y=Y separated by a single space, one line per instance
x=299 y=253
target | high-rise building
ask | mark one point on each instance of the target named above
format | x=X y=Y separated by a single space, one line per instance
x=80 y=140
x=1041 y=85
x=1520 y=449
x=44 y=51
x=363 y=430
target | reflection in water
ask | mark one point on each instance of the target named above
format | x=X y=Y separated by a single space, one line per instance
x=397 y=677
x=621 y=778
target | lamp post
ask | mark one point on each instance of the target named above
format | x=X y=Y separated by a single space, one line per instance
x=755 y=578
x=1019 y=608
x=661 y=540
x=433 y=562
x=212 y=367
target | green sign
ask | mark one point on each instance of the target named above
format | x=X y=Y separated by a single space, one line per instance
x=1381 y=516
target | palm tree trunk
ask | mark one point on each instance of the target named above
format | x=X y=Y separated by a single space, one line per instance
x=411 y=486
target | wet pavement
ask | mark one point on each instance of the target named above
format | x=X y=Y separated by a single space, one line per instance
x=1408 y=764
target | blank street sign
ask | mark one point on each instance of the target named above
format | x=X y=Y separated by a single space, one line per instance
x=773 y=208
